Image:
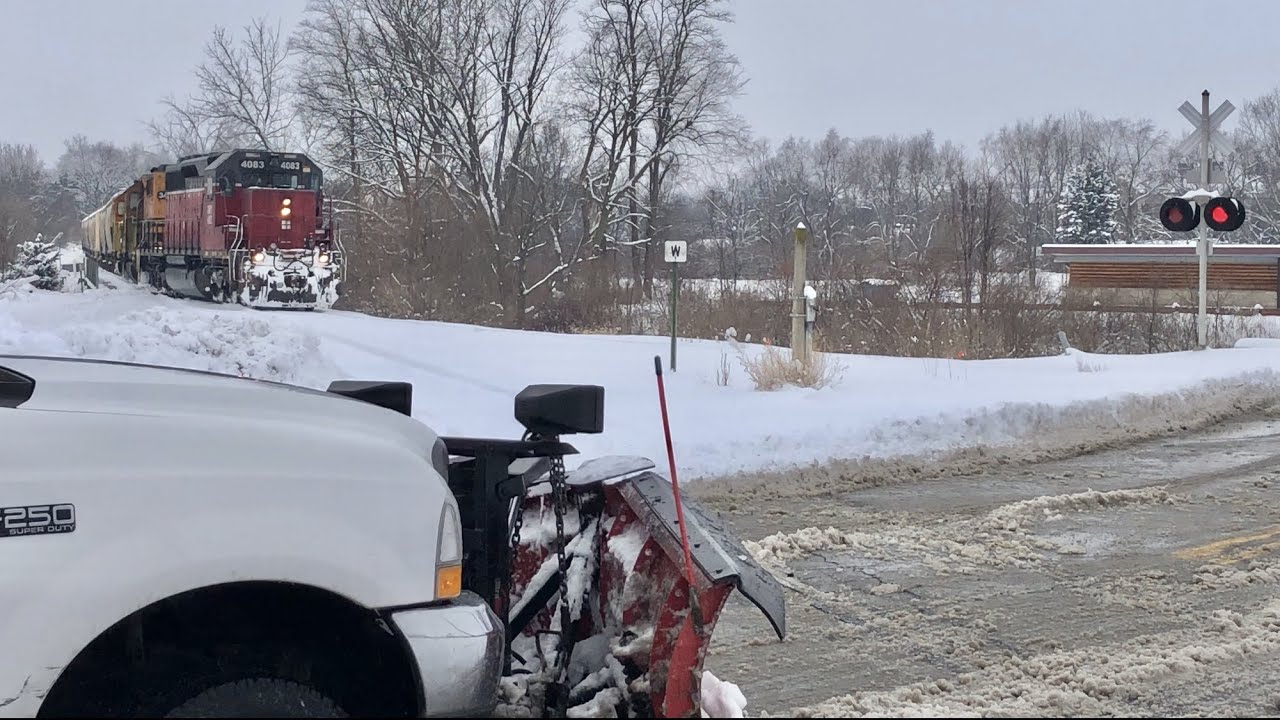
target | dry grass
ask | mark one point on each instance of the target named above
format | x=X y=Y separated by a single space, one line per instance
x=773 y=368
x=723 y=371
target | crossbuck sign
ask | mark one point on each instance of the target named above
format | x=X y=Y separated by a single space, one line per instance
x=1216 y=140
x=675 y=251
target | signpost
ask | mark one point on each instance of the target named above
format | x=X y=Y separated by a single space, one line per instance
x=1206 y=136
x=674 y=252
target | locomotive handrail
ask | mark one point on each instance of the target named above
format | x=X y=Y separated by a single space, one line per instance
x=341 y=256
x=237 y=249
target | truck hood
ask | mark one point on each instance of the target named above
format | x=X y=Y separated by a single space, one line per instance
x=117 y=388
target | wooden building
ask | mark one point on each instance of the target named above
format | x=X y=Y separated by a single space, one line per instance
x=1240 y=276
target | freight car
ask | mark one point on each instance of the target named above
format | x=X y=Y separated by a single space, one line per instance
x=245 y=226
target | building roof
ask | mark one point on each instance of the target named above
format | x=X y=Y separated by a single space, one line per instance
x=1160 y=253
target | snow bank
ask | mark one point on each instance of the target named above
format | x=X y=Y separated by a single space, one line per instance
x=71 y=254
x=465 y=377
x=1258 y=343
x=235 y=343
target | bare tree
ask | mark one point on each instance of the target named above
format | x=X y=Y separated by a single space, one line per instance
x=21 y=179
x=733 y=227
x=1255 y=169
x=694 y=79
x=96 y=170
x=243 y=95
x=612 y=78
x=438 y=108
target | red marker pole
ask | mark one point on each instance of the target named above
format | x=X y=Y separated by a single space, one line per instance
x=695 y=599
x=675 y=484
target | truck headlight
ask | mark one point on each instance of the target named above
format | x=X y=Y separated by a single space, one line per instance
x=449 y=555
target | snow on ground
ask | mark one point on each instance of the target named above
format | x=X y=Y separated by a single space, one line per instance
x=1079 y=682
x=71 y=254
x=465 y=378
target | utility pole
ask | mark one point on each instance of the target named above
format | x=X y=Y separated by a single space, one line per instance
x=799 y=342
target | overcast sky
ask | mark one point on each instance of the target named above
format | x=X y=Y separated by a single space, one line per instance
x=959 y=67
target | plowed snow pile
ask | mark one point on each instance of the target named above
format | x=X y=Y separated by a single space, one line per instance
x=999 y=538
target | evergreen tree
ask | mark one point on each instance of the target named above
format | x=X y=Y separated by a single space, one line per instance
x=1086 y=214
x=38 y=263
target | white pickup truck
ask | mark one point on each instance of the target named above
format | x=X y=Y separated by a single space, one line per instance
x=177 y=543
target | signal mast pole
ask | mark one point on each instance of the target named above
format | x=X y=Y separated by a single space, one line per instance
x=1202 y=247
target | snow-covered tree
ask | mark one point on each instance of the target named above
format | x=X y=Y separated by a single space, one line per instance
x=37 y=264
x=94 y=171
x=1087 y=211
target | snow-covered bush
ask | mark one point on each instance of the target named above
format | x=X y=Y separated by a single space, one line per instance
x=38 y=265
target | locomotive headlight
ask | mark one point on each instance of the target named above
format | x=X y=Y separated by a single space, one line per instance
x=285 y=211
x=287 y=202
x=259 y=257
x=322 y=259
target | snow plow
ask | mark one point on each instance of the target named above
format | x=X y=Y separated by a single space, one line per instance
x=609 y=584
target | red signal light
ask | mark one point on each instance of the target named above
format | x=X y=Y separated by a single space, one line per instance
x=1179 y=215
x=1224 y=214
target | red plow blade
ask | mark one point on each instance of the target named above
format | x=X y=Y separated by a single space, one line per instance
x=638 y=647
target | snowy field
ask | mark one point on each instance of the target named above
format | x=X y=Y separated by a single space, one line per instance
x=465 y=377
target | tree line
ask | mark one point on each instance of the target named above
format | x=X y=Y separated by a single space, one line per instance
x=515 y=162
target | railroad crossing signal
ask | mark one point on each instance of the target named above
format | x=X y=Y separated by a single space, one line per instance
x=1222 y=214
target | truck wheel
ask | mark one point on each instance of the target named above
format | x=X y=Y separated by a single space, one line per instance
x=258 y=698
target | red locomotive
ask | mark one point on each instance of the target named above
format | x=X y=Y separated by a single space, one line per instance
x=244 y=226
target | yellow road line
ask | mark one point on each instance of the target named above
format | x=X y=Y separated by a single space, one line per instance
x=1252 y=552
x=1219 y=547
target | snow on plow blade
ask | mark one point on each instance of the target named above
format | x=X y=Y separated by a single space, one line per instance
x=638 y=648
x=288 y=282
x=585 y=568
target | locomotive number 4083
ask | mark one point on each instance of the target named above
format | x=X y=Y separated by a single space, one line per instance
x=37 y=520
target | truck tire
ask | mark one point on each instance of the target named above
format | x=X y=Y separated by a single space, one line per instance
x=258 y=698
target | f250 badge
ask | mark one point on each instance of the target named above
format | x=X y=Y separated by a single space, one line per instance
x=37 y=520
